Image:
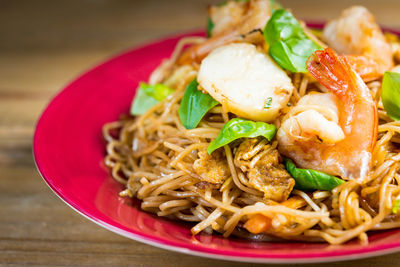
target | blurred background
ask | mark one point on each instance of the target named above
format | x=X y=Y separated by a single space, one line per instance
x=44 y=44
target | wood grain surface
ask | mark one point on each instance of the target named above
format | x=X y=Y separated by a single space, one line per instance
x=43 y=46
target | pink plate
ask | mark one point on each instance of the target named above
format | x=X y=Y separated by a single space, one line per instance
x=69 y=149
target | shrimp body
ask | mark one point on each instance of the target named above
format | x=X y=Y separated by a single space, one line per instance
x=356 y=34
x=345 y=150
x=234 y=21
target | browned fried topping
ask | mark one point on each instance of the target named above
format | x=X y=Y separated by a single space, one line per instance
x=260 y=162
x=212 y=168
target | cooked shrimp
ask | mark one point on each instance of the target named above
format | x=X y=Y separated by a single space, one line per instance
x=246 y=81
x=347 y=155
x=316 y=116
x=356 y=34
x=234 y=21
x=226 y=17
x=311 y=123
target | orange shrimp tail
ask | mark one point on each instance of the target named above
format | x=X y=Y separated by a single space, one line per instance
x=333 y=72
x=337 y=75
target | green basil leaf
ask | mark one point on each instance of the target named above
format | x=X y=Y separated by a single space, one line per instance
x=237 y=128
x=396 y=206
x=147 y=96
x=194 y=105
x=289 y=46
x=157 y=91
x=391 y=94
x=308 y=180
x=210 y=27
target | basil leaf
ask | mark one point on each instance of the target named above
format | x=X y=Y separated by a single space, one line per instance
x=391 y=94
x=157 y=91
x=147 y=96
x=210 y=27
x=396 y=206
x=237 y=128
x=289 y=46
x=308 y=180
x=194 y=105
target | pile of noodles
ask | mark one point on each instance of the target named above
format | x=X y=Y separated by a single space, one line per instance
x=153 y=156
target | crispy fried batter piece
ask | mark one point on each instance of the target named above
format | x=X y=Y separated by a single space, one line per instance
x=212 y=168
x=260 y=162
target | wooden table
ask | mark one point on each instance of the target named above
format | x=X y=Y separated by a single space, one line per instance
x=45 y=44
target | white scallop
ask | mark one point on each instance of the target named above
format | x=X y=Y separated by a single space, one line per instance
x=245 y=79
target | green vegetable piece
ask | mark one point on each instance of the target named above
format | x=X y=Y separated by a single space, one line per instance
x=391 y=94
x=194 y=105
x=396 y=206
x=210 y=27
x=268 y=103
x=308 y=180
x=289 y=46
x=147 y=96
x=237 y=128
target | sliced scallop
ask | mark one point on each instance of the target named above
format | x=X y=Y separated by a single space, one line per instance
x=247 y=81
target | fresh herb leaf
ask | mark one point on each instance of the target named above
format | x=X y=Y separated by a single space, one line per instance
x=268 y=103
x=157 y=91
x=210 y=27
x=194 y=105
x=391 y=94
x=237 y=128
x=396 y=206
x=289 y=46
x=308 y=180
x=147 y=96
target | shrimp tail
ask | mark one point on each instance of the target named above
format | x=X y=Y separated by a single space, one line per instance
x=332 y=71
x=337 y=75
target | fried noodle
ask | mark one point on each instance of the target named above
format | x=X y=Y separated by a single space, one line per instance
x=153 y=155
